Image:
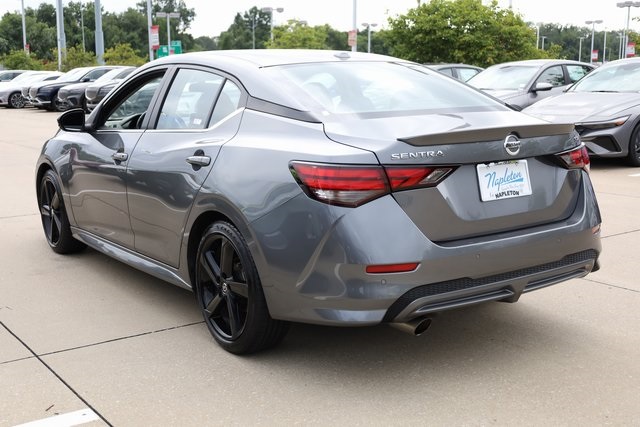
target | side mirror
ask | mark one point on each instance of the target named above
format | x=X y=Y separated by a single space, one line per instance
x=542 y=86
x=72 y=120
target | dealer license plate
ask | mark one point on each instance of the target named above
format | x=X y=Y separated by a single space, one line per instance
x=503 y=180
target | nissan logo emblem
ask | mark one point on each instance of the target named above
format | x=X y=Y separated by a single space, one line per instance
x=512 y=145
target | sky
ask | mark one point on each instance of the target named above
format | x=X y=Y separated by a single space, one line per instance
x=215 y=16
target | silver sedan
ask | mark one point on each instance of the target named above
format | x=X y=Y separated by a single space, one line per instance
x=605 y=107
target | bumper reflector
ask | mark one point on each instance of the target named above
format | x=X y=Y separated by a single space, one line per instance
x=392 y=268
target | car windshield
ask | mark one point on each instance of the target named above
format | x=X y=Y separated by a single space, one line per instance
x=623 y=77
x=381 y=88
x=510 y=77
x=73 y=75
x=116 y=73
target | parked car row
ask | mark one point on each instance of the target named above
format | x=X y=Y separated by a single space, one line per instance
x=55 y=91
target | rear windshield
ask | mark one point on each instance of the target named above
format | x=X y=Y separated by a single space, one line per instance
x=379 y=88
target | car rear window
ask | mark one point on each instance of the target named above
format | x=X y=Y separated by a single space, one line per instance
x=377 y=87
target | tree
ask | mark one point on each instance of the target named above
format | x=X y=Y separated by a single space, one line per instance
x=128 y=27
x=298 y=35
x=75 y=57
x=461 y=31
x=18 y=60
x=240 y=34
x=205 y=43
x=122 y=54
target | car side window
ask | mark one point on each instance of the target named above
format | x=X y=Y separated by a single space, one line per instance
x=553 y=75
x=190 y=99
x=467 y=73
x=227 y=103
x=447 y=71
x=576 y=72
x=93 y=75
x=128 y=113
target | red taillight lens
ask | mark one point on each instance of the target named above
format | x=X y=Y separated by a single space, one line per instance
x=406 y=177
x=343 y=185
x=576 y=159
x=354 y=185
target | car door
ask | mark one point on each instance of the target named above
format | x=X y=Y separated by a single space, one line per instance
x=97 y=173
x=199 y=113
x=553 y=75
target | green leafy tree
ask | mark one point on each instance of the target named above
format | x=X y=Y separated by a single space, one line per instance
x=461 y=31
x=128 y=27
x=18 y=60
x=298 y=35
x=75 y=57
x=205 y=43
x=240 y=34
x=178 y=26
x=122 y=54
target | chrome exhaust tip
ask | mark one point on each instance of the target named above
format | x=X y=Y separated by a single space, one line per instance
x=415 y=327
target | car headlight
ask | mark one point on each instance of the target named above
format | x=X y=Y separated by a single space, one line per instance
x=604 y=124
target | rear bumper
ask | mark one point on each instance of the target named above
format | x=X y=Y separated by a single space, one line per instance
x=320 y=277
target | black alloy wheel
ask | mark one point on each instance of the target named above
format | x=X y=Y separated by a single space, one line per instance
x=16 y=100
x=634 y=148
x=230 y=294
x=54 y=217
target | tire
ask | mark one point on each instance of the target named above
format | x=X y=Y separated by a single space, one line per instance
x=54 y=216
x=16 y=100
x=229 y=293
x=633 y=157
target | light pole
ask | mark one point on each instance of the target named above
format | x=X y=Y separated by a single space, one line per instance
x=543 y=37
x=253 y=32
x=24 y=30
x=537 y=35
x=628 y=5
x=168 y=16
x=593 y=33
x=366 y=24
x=580 y=50
x=354 y=48
x=270 y=10
x=604 y=49
x=82 y=26
x=620 y=38
x=149 y=25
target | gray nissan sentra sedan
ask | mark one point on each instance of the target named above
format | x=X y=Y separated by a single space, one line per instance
x=321 y=187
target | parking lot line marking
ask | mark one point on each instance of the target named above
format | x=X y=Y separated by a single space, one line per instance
x=75 y=418
x=635 y=174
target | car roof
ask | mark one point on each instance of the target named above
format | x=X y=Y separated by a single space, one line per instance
x=541 y=62
x=247 y=65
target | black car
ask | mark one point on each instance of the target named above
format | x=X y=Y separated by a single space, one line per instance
x=96 y=91
x=46 y=96
x=73 y=95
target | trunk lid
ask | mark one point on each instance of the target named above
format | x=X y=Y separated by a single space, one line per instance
x=454 y=209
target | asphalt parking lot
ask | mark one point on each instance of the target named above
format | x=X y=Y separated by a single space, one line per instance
x=89 y=340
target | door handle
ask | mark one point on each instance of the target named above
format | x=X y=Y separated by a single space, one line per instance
x=199 y=160
x=119 y=156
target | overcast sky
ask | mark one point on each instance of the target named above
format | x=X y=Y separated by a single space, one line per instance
x=215 y=16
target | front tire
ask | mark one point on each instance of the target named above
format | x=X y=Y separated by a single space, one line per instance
x=229 y=293
x=633 y=157
x=16 y=100
x=54 y=216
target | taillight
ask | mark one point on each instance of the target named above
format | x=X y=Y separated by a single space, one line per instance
x=577 y=158
x=407 y=177
x=354 y=185
x=343 y=185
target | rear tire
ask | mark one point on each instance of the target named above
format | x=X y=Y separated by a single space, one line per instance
x=54 y=216
x=229 y=293
x=633 y=157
